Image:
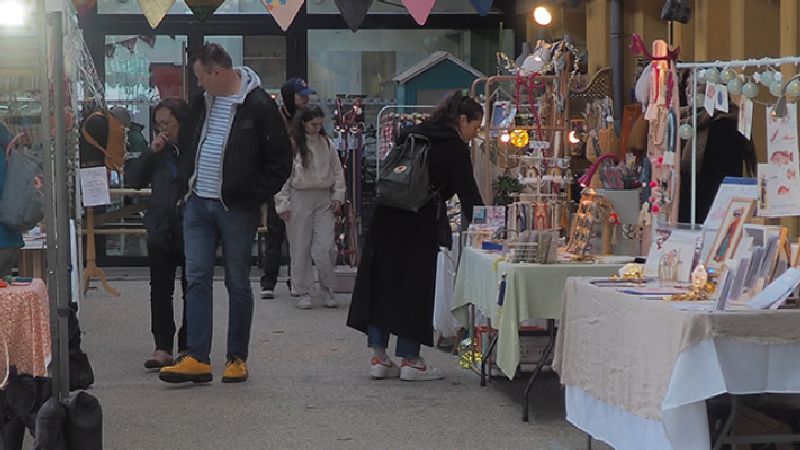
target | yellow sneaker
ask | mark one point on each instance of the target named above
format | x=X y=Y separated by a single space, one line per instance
x=187 y=369
x=235 y=371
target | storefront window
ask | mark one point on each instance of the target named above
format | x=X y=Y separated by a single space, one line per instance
x=266 y=55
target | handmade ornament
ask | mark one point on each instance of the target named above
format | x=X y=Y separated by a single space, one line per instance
x=203 y=9
x=283 y=11
x=735 y=86
x=482 y=6
x=750 y=90
x=155 y=10
x=354 y=12
x=419 y=9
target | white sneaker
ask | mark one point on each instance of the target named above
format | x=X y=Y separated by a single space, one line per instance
x=383 y=368
x=267 y=294
x=419 y=371
x=305 y=302
x=329 y=298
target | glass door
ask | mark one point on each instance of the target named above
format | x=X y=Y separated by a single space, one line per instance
x=266 y=55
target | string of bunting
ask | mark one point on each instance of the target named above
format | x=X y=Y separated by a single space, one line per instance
x=130 y=44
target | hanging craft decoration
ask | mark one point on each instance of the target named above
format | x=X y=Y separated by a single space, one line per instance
x=155 y=10
x=283 y=11
x=354 y=11
x=482 y=6
x=203 y=9
x=419 y=9
x=84 y=6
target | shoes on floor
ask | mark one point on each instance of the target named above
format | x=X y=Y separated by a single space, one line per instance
x=188 y=369
x=419 y=371
x=383 y=368
x=305 y=302
x=235 y=371
x=267 y=294
x=159 y=359
x=329 y=298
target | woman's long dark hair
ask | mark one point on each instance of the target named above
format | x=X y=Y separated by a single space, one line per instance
x=453 y=107
x=287 y=94
x=304 y=116
x=180 y=109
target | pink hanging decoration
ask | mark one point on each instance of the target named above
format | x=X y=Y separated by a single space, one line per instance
x=283 y=11
x=419 y=9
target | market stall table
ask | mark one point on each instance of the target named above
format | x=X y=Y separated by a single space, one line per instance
x=25 y=326
x=637 y=372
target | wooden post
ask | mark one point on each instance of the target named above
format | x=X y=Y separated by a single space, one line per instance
x=701 y=16
x=91 y=270
x=597 y=34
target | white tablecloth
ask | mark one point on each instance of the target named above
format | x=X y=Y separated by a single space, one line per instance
x=443 y=320
x=533 y=291
x=695 y=369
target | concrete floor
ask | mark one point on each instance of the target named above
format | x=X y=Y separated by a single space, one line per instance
x=308 y=388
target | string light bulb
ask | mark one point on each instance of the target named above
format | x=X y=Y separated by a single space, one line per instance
x=542 y=15
x=735 y=86
x=12 y=13
x=573 y=137
x=519 y=138
x=505 y=137
x=750 y=90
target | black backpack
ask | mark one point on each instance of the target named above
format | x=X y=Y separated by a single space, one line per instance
x=404 y=181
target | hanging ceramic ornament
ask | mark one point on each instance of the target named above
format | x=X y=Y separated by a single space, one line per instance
x=283 y=11
x=766 y=78
x=353 y=11
x=793 y=88
x=750 y=90
x=712 y=76
x=701 y=75
x=419 y=9
x=727 y=75
x=735 y=86
x=482 y=6
x=776 y=88
x=685 y=131
x=203 y=9
x=155 y=10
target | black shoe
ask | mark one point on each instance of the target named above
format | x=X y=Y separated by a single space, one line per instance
x=267 y=293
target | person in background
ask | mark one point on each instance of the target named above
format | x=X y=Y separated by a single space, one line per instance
x=137 y=144
x=396 y=279
x=157 y=167
x=307 y=203
x=10 y=239
x=295 y=94
x=240 y=158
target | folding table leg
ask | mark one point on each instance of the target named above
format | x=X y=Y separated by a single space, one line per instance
x=486 y=357
x=543 y=357
x=726 y=429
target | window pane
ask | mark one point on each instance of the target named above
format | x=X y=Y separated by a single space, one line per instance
x=264 y=54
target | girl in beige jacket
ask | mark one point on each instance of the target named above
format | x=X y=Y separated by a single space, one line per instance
x=307 y=203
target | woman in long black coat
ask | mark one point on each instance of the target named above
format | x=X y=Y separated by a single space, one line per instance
x=396 y=280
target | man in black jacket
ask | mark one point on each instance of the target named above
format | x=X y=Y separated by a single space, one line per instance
x=241 y=158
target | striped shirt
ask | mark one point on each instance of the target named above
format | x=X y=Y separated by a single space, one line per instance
x=209 y=165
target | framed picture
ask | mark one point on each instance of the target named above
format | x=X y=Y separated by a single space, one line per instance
x=739 y=211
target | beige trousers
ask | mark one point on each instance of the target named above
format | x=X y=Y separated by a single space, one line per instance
x=310 y=230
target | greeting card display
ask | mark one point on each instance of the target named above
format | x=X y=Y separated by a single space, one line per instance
x=724 y=246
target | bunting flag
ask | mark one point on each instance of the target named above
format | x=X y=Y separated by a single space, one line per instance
x=84 y=6
x=353 y=11
x=149 y=40
x=155 y=10
x=482 y=6
x=130 y=44
x=203 y=9
x=419 y=9
x=283 y=11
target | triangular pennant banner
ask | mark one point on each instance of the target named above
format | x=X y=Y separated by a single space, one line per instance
x=482 y=6
x=149 y=40
x=353 y=11
x=84 y=6
x=419 y=9
x=283 y=11
x=110 y=50
x=203 y=9
x=130 y=44
x=155 y=10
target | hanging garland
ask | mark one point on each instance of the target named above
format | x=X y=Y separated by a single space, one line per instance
x=130 y=44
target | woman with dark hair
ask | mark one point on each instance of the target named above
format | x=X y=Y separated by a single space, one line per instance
x=157 y=167
x=307 y=204
x=396 y=280
x=295 y=94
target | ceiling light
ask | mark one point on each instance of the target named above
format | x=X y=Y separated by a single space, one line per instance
x=542 y=15
x=12 y=13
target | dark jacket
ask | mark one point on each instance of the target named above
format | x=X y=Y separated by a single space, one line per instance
x=9 y=238
x=396 y=279
x=257 y=158
x=163 y=219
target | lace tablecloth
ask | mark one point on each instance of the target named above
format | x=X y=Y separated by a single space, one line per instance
x=25 y=328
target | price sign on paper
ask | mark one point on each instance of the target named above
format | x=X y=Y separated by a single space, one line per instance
x=539 y=145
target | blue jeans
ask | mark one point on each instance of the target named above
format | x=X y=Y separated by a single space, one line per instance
x=406 y=348
x=205 y=222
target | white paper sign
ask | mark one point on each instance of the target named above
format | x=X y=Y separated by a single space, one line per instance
x=746 y=117
x=726 y=192
x=783 y=186
x=722 y=98
x=94 y=186
x=711 y=99
x=777 y=292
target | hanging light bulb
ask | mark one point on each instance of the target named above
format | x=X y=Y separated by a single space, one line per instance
x=727 y=75
x=793 y=88
x=573 y=137
x=542 y=15
x=701 y=75
x=776 y=88
x=750 y=90
x=767 y=78
x=519 y=138
x=505 y=137
x=712 y=76
x=686 y=131
x=735 y=86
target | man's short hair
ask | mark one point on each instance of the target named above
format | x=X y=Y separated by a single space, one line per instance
x=211 y=55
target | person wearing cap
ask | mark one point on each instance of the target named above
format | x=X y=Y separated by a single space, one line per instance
x=296 y=95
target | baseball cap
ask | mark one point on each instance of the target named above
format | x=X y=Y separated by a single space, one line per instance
x=300 y=87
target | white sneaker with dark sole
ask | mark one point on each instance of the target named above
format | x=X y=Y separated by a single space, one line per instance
x=329 y=299
x=419 y=371
x=380 y=369
x=267 y=294
x=305 y=302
